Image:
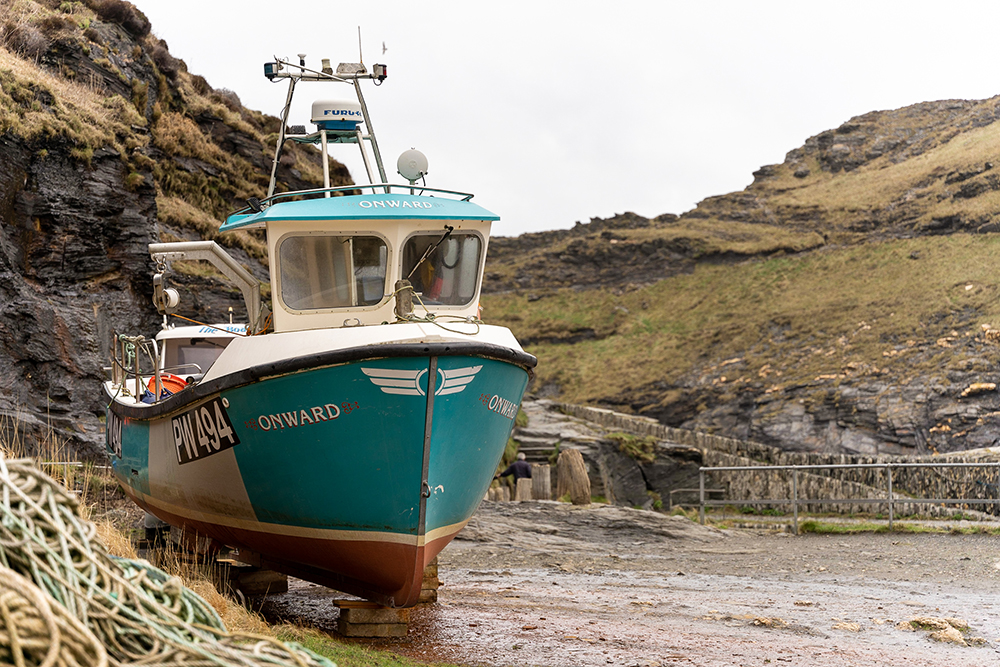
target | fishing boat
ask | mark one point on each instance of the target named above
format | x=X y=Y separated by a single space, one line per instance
x=346 y=433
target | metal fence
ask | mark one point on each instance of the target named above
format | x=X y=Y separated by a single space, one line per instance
x=891 y=499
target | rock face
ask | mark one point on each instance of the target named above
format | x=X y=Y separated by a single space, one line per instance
x=615 y=475
x=569 y=258
x=863 y=412
x=73 y=267
x=108 y=144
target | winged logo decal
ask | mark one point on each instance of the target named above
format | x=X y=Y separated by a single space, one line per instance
x=408 y=383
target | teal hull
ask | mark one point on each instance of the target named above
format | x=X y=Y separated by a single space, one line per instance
x=356 y=474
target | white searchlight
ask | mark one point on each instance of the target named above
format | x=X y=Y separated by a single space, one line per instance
x=412 y=165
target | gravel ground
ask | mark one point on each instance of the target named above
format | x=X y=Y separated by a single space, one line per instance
x=544 y=583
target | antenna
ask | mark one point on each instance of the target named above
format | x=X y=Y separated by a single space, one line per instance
x=361 y=56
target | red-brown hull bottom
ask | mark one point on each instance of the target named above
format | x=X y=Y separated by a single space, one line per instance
x=383 y=571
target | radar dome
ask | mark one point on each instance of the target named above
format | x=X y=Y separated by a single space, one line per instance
x=336 y=115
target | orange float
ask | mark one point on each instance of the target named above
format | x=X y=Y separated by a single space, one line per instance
x=172 y=383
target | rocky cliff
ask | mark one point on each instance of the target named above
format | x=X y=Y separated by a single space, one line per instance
x=846 y=301
x=107 y=143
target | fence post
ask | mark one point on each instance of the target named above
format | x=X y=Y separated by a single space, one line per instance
x=701 y=497
x=996 y=485
x=888 y=469
x=795 y=501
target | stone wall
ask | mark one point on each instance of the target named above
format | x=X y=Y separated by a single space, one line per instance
x=970 y=483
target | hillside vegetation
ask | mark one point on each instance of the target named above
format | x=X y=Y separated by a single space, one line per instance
x=845 y=301
x=92 y=75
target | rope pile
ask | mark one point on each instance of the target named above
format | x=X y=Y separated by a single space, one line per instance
x=81 y=602
x=33 y=631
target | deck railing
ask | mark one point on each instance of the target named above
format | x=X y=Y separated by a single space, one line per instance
x=890 y=499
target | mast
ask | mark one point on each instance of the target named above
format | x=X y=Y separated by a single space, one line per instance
x=281 y=136
x=346 y=73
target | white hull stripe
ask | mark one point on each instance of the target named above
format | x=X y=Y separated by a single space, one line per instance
x=297 y=531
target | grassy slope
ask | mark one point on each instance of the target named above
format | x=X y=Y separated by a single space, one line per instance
x=908 y=186
x=800 y=317
x=917 y=184
x=207 y=153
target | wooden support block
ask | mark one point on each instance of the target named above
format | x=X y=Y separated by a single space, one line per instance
x=430 y=584
x=371 y=629
x=261 y=582
x=523 y=490
x=357 y=604
x=360 y=618
x=379 y=615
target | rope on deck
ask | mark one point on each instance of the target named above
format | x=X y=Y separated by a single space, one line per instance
x=83 y=606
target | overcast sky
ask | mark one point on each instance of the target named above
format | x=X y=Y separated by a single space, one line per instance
x=554 y=112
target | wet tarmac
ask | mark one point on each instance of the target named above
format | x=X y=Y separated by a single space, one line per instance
x=541 y=584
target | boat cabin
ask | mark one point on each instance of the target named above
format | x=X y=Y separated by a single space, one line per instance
x=342 y=259
x=335 y=262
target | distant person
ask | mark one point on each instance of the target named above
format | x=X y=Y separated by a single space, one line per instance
x=520 y=469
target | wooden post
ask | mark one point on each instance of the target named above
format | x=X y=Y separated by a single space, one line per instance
x=701 y=497
x=541 y=481
x=888 y=470
x=523 y=490
x=572 y=478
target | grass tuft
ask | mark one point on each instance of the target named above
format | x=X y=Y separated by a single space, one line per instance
x=640 y=448
x=823 y=528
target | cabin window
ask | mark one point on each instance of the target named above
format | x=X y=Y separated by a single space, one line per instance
x=320 y=272
x=449 y=271
x=194 y=355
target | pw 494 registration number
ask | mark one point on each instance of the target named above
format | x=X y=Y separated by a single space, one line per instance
x=203 y=431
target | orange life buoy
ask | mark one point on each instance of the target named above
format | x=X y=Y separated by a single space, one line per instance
x=171 y=383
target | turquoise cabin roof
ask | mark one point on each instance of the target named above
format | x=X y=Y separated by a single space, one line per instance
x=364 y=207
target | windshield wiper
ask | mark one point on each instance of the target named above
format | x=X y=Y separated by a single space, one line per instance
x=430 y=250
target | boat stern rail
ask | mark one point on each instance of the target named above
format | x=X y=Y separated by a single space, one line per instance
x=127 y=354
x=255 y=205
